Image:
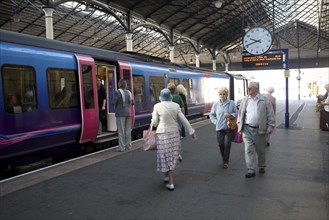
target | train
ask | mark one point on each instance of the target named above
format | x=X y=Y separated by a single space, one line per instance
x=48 y=94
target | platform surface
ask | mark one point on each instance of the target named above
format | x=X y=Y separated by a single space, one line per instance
x=112 y=185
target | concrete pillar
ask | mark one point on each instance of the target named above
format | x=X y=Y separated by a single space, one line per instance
x=226 y=67
x=129 y=39
x=197 y=60
x=172 y=54
x=214 y=65
x=49 y=22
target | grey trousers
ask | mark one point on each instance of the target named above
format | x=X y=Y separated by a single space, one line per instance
x=254 y=145
x=124 y=132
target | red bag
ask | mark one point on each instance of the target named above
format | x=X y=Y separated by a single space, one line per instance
x=237 y=137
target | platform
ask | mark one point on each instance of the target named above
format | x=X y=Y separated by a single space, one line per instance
x=112 y=185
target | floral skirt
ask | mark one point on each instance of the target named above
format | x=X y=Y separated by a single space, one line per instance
x=168 y=147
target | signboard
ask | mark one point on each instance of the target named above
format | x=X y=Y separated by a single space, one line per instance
x=266 y=60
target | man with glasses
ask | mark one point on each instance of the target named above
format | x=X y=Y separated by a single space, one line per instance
x=256 y=120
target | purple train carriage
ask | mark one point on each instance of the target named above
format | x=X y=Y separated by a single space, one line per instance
x=49 y=100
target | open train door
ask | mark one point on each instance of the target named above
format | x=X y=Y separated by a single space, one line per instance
x=88 y=98
x=126 y=74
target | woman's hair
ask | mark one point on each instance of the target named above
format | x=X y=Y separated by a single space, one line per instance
x=181 y=90
x=223 y=89
x=172 y=87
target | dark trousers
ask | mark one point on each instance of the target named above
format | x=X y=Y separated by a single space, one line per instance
x=182 y=132
x=224 y=139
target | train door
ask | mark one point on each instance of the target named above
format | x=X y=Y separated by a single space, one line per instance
x=107 y=74
x=88 y=98
x=126 y=74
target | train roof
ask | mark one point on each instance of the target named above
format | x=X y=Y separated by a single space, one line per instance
x=100 y=54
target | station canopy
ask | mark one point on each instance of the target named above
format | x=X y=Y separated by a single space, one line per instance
x=212 y=29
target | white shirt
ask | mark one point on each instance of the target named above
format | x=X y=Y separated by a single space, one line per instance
x=251 y=111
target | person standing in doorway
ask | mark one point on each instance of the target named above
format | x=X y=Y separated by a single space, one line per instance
x=122 y=100
x=255 y=121
x=101 y=103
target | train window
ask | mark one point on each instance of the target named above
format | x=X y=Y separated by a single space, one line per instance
x=238 y=89
x=62 y=88
x=19 y=88
x=156 y=85
x=197 y=91
x=88 y=86
x=126 y=76
x=139 y=94
x=186 y=84
x=174 y=80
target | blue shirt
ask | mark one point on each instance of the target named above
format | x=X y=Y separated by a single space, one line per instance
x=217 y=113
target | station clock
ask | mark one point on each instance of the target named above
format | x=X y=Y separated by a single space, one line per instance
x=257 y=41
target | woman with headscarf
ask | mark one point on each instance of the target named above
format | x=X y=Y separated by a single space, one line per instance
x=165 y=118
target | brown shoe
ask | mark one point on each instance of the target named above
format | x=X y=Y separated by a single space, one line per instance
x=225 y=166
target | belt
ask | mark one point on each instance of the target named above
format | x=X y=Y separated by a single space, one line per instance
x=251 y=126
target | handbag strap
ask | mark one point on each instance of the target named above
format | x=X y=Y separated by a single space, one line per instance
x=151 y=126
x=169 y=113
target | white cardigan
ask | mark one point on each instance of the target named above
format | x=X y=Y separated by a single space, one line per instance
x=165 y=117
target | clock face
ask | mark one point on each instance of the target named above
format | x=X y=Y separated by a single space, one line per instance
x=257 y=41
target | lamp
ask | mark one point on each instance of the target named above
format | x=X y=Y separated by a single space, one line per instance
x=218 y=3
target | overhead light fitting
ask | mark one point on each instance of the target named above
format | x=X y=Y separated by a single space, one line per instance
x=218 y=3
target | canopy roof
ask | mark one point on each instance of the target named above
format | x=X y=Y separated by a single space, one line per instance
x=192 y=26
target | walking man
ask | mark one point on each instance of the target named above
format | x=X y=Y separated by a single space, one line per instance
x=255 y=121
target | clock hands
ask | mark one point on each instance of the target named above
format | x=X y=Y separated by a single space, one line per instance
x=254 y=41
x=257 y=41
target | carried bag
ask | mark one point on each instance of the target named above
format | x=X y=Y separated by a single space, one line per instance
x=149 y=139
x=237 y=137
x=231 y=121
